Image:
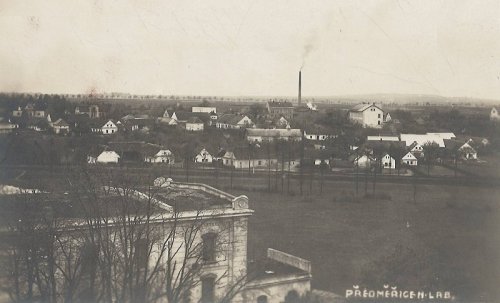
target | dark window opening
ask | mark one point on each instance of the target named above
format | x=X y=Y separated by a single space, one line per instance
x=141 y=252
x=209 y=247
x=262 y=299
x=208 y=289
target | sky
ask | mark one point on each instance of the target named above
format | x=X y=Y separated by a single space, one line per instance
x=251 y=47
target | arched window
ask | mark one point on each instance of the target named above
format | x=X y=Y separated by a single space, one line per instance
x=209 y=247
x=262 y=299
x=292 y=297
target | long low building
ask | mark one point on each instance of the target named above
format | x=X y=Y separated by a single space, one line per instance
x=422 y=139
x=269 y=135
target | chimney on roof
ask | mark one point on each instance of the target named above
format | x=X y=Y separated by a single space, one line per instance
x=300 y=86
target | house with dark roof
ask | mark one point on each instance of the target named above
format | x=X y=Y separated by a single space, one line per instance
x=182 y=117
x=278 y=109
x=194 y=124
x=234 y=121
x=318 y=133
x=154 y=153
x=60 y=126
x=461 y=149
x=254 y=158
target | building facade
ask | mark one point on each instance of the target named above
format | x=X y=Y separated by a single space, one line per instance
x=367 y=115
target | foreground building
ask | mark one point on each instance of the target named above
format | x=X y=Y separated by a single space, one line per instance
x=187 y=238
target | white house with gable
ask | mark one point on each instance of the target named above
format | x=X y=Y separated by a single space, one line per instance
x=409 y=159
x=494 y=116
x=107 y=156
x=109 y=128
x=368 y=115
x=203 y=157
x=388 y=162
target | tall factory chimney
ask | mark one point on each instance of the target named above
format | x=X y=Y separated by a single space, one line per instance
x=300 y=86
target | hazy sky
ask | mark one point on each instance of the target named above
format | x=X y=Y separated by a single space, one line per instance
x=234 y=47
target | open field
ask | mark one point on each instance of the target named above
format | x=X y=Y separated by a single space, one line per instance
x=448 y=240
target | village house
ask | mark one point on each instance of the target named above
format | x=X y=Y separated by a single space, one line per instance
x=388 y=162
x=317 y=157
x=409 y=159
x=60 y=126
x=362 y=160
x=494 y=116
x=142 y=123
x=215 y=262
x=278 y=109
x=416 y=149
x=90 y=110
x=387 y=118
x=282 y=122
x=109 y=128
x=7 y=126
x=17 y=112
x=270 y=135
x=204 y=109
x=105 y=157
x=182 y=117
x=157 y=154
x=233 y=121
x=367 y=115
x=254 y=158
x=318 y=133
x=228 y=158
x=203 y=157
x=166 y=119
x=462 y=149
x=194 y=124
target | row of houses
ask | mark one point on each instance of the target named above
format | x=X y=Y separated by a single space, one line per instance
x=464 y=148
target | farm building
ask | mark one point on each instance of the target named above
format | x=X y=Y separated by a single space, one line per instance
x=269 y=135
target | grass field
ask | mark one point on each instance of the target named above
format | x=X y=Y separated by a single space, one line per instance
x=448 y=240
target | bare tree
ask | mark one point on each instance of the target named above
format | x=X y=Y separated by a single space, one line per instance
x=110 y=238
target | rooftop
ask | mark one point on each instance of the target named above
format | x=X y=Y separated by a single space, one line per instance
x=278 y=132
x=280 y=104
x=169 y=197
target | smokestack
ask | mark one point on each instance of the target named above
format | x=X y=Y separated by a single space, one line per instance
x=300 y=85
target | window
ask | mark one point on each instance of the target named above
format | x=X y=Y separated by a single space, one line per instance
x=379 y=115
x=209 y=247
x=208 y=289
x=260 y=162
x=141 y=252
x=378 y=123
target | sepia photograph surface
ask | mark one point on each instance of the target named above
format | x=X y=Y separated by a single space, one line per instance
x=258 y=151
